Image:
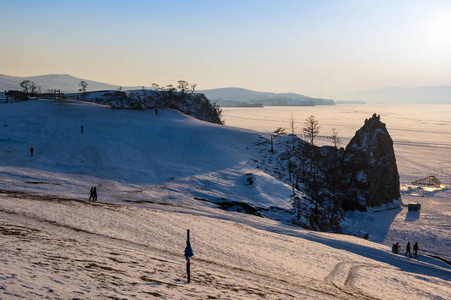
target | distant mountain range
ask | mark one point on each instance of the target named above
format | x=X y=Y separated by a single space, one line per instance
x=399 y=95
x=243 y=97
x=223 y=96
x=66 y=83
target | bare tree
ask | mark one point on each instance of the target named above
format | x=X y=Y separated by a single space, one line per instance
x=293 y=128
x=311 y=128
x=183 y=85
x=292 y=123
x=83 y=85
x=193 y=87
x=25 y=85
x=33 y=87
x=278 y=132
x=155 y=86
x=334 y=137
x=170 y=88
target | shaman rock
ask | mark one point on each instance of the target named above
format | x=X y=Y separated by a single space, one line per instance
x=369 y=167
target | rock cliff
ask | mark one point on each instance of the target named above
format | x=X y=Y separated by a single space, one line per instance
x=369 y=167
x=192 y=104
x=364 y=176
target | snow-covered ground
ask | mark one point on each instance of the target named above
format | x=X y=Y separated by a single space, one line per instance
x=422 y=142
x=168 y=170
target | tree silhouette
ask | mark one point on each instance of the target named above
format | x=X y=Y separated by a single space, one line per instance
x=183 y=85
x=334 y=137
x=25 y=85
x=83 y=85
x=311 y=128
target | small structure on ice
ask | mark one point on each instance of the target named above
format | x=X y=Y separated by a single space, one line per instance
x=431 y=180
x=414 y=206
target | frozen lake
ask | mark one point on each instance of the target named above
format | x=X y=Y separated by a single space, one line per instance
x=422 y=141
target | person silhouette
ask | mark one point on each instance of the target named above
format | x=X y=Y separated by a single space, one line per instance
x=91 y=194
x=31 y=151
x=397 y=248
x=408 y=249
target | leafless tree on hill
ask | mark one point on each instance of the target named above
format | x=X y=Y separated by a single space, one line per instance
x=25 y=85
x=334 y=137
x=311 y=128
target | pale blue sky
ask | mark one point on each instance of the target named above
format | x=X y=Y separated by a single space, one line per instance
x=310 y=47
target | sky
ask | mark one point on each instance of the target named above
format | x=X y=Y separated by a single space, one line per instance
x=309 y=47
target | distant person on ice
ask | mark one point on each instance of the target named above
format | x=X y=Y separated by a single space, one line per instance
x=95 y=194
x=397 y=248
x=31 y=151
x=81 y=128
x=408 y=249
x=91 y=194
x=415 y=249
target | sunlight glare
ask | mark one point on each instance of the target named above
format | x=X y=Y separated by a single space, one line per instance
x=438 y=29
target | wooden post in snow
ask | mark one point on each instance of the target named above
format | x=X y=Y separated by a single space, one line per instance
x=188 y=263
x=188 y=255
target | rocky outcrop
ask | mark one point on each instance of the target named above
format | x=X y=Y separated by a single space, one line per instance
x=331 y=180
x=370 y=173
x=192 y=104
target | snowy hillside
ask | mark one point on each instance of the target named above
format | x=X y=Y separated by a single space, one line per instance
x=130 y=155
x=158 y=175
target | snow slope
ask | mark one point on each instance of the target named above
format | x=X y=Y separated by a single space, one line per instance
x=57 y=245
x=129 y=155
x=422 y=142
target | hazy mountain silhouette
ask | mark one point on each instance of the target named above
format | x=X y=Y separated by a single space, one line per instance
x=399 y=95
x=233 y=96
x=64 y=82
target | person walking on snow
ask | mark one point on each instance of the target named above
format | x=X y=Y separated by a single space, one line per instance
x=396 y=248
x=415 y=249
x=408 y=250
x=91 y=194
x=31 y=151
x=95 y=194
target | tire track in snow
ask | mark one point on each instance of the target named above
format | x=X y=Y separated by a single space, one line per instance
x=343 y=277
x=265 y=282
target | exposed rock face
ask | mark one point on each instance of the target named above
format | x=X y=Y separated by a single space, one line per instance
x=369 y=167
x=193 y=104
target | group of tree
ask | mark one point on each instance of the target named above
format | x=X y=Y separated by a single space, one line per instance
x=181 y=97
x=30 y=88
x=312 y=171
x=182 y=86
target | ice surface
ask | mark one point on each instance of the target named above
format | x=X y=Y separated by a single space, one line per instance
x=422 y=142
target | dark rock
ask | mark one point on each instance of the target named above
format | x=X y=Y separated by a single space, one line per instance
x=192 y=104
x=369 y=167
